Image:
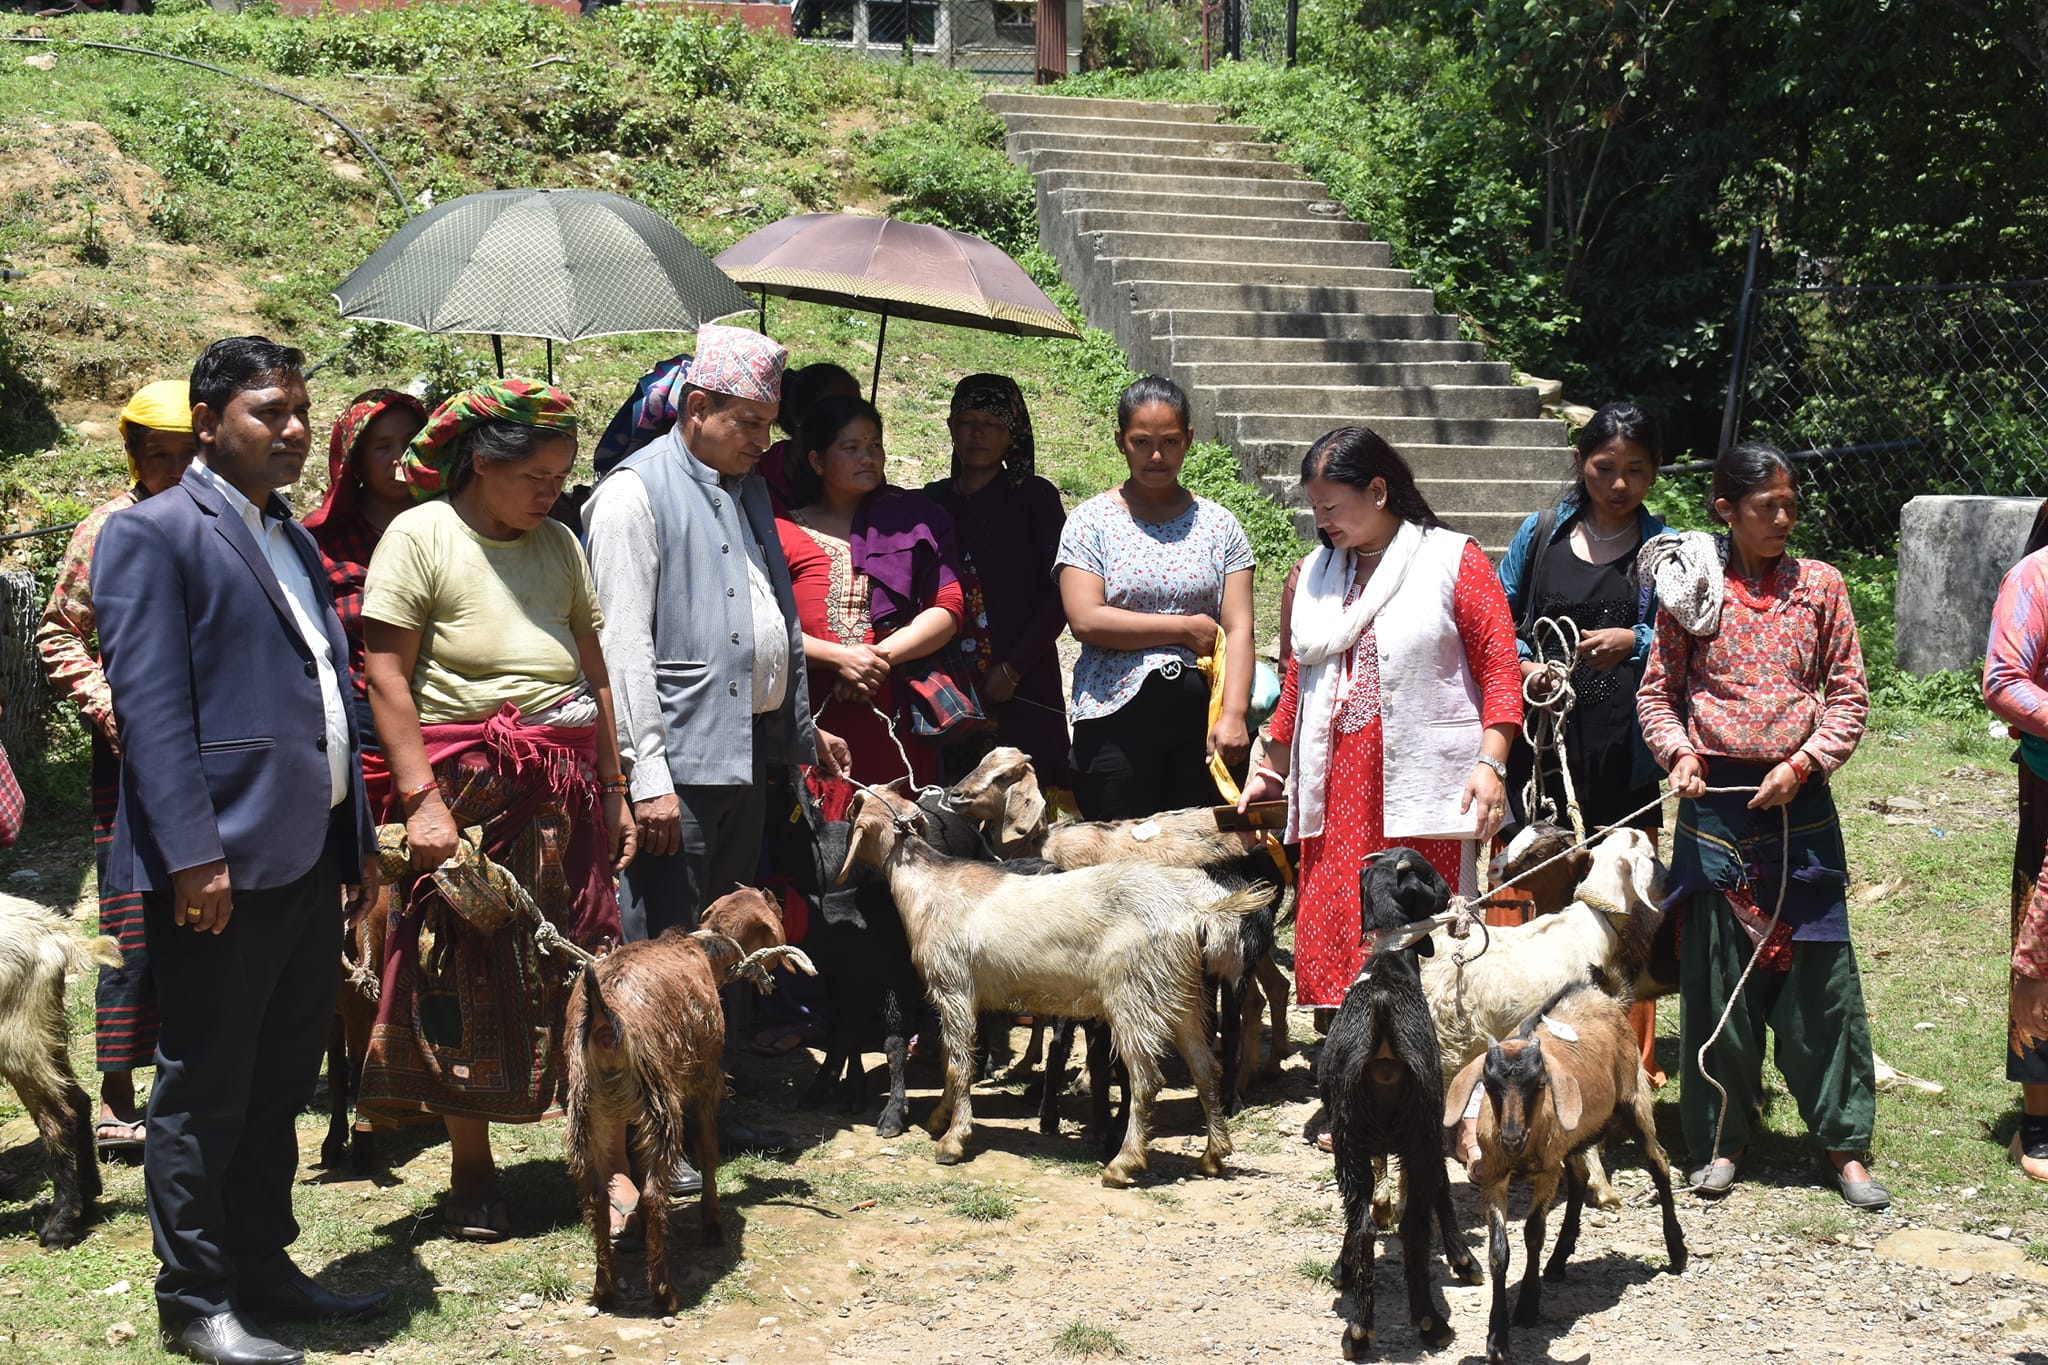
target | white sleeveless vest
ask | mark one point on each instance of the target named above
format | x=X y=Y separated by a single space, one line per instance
x=1429 y=699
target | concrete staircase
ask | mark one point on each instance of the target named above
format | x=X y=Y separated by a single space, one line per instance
x=1212 y=261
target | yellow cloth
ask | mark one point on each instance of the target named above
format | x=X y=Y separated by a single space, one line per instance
x=1211 y=665
x=164 y=405
x=498 y=619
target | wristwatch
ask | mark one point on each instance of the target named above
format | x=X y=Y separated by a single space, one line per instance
x=1500 y=768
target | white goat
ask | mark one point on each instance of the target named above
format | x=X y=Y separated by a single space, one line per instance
x=1126 y=942
x=1604 y=932
x=37 y=950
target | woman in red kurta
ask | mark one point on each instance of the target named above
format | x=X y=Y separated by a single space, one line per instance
x=1367 y=508
x=876 y=585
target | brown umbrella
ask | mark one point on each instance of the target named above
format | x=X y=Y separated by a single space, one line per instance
x=881 y=265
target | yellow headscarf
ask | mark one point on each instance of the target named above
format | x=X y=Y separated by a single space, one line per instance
x=165 y=405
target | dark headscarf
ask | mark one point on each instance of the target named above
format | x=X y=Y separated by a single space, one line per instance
x=999 y=394
x=656 y=403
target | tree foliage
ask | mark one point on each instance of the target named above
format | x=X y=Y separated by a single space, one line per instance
x=1870 y=140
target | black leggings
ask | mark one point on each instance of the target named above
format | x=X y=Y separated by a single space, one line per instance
x=1148 y=755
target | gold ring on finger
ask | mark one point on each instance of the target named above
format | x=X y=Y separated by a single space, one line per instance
x=193 y=912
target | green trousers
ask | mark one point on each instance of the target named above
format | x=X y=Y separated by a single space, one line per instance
x=1816 y=1011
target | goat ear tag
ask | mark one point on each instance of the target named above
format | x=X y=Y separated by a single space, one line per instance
x=1561 y=1030
x=1148 y=830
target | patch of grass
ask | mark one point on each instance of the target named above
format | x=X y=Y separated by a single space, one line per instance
x=1164 y=1198
x=1084 y=1338
x=1288 y=1214
x=1315 y=1269
x=2037 y=1251
x=981 y=1203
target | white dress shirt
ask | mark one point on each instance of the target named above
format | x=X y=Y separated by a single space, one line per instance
x=304 y=602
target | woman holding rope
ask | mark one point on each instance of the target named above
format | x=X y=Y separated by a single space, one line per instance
x=1577 y=563
x=877 y=586
x=1755 y=683
x=1400 y=632
x=480 y=633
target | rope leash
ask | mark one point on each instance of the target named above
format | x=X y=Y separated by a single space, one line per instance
x=1549 y=710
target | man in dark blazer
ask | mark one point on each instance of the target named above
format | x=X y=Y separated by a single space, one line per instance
x=242 y=814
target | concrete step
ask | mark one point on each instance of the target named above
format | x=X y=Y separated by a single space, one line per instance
x=1280 y=375
x=1201 y=167
x=1085 y=218
x=1430 y=461
x=1347 y=275
x=1177 y=322
x=1002 y=104
x=1300 y=428
x=1074 y=126
x=1249 y=251
x=1359 y=403
x=1494 y=497
x=1279 y=350
x=1276 y=298
x=1549 y=466
x=1259 y=199
x=1227 y=144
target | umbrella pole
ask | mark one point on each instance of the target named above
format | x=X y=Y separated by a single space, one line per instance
x=551 y=360
x=881 y=335
x=498 y=353
x=764 y=313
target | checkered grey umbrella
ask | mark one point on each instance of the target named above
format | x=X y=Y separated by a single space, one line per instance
x=560 y=264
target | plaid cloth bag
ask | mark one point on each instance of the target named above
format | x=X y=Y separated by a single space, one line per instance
x=12 y=806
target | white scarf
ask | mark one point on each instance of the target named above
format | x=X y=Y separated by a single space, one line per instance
x=1686 y=567
x=1323 y=630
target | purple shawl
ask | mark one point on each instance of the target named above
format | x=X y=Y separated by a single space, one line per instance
x=903 y=542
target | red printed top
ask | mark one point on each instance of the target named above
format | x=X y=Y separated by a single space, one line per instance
x=1782 y=675
x=68 y=638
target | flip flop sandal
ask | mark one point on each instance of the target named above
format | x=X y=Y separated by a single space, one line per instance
x=488 y=1222
x=630 y=1233
x=112 y=1135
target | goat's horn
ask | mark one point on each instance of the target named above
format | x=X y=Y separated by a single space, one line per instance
x=766 y=958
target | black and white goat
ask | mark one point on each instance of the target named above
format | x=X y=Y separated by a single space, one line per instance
x=1382 y=1083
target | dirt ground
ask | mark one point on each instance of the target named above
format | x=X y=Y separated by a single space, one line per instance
x=1187 y=1268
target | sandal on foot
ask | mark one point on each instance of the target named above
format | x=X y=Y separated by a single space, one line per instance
x=486 y=1222
x=2029 y=1149
x=628 y=1231
x=115 y=1135
x=780 y=1042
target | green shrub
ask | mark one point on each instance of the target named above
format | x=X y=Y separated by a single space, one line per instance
x=1138 y=37
x=940 y=177
x=1212 y=471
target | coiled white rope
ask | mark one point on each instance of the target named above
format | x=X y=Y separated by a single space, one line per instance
x=1547 y=699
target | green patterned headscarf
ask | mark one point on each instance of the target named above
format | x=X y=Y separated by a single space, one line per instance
x=430 y=458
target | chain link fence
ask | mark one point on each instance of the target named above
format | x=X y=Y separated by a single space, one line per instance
x=1889 y=392
x=994 y=39
x=1257 y=31
x=23 y=687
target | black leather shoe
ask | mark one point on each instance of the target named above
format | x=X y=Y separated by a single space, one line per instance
x=298 y=1295
x=735 y=1136
x=221 y=1339
x=685 y=1180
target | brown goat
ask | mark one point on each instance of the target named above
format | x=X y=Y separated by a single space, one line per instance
x=37 y=950
x=348 y=1037
x=1552 y=1090
x=645 y=1035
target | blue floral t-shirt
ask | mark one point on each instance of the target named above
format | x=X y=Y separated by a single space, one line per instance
x=1172 y=567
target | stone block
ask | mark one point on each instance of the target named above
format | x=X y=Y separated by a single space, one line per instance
x=1953 y=553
